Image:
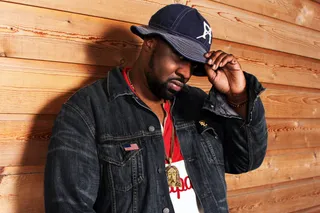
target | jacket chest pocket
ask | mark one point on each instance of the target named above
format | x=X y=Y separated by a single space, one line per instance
x=123 y=169
x=212 y=146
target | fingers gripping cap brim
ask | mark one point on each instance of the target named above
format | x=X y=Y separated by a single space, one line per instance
x=186 y=47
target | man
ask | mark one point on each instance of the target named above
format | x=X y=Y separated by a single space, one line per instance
x=141 y=140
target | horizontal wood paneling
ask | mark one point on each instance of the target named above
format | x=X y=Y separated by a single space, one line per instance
x=253 y=29
x=229 y=23
x=105 y=42
x=278 y=103
x=25 y=192
x=279 y=198
x=132 y=11
x=32 y=101
x=30 y=153
x=293 y=133
x=315 y=209
x=274 y=67
x=73 y=44
x=291 y=104
x=60 y=36
x=38 y=80
x=300 y=12
x=289 y=164
x=21 y=193
x=19 y=170
x=44 y=75
x=279 y=166
x=20 y=133
x=301 y=133
x=24 y=139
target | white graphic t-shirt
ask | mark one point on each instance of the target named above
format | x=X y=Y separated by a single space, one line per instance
x=184 y=198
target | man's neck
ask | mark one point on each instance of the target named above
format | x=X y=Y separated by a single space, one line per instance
x=139 y=82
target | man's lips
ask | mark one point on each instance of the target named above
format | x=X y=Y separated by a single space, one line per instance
x=177 y=82
x=175 y=85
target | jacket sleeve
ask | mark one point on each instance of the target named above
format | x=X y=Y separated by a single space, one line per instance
x=72 y=168
x=244 y=141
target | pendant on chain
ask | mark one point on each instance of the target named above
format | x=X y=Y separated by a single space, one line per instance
x=173 y=176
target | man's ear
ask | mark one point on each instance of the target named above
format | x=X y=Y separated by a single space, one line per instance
x=149 y=44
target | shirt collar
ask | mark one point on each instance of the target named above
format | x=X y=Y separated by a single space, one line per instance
x=116 y=85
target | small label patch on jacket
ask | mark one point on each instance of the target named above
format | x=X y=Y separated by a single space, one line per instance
x=203 y=123
x=131 y=147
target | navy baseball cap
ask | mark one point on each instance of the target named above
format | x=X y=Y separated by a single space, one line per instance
x=184 y=28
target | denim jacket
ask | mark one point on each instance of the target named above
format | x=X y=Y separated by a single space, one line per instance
x=88 y=170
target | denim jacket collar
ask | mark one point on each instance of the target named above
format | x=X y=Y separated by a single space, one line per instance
x=116 y=86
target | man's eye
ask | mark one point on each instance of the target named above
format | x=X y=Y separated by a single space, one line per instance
x=182 y=58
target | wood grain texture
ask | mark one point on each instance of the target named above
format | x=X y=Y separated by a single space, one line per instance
x=253 y=29
x=106 y=42
x=300 y=12
x=268 y=66
x=44 y=75
x=25 y=192
x=21 y=170
x=293 y=133
x=39 y=80
x=279 y=166
x=24 y=139
x=133 y=11
x=59 y=36
x=279 y=198
x=21 y=193
x=274 y=67
x=314 y=209
x=48 y=54
x=19 y=134
x=291 y=104
x=229 y=23
x=278 y=103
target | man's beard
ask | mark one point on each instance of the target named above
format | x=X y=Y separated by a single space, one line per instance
x=159 y=89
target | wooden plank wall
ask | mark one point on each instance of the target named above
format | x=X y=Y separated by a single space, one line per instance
x=50 y=48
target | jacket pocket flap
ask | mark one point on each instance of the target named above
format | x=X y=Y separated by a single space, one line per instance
x=116 y=153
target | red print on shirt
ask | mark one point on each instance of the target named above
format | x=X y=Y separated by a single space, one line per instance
x=186 y=185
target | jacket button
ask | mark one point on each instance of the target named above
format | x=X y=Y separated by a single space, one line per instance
x=151 y=128
x=159 y=170
x=166 y=210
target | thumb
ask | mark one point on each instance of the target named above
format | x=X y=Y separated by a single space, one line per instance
x=212 y=74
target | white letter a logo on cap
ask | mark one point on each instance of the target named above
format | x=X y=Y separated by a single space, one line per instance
x=206 y=31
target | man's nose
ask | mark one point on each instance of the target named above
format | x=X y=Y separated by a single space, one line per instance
x=184 y=70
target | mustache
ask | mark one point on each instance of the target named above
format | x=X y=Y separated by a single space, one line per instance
x=185 y=87
x=182 y=80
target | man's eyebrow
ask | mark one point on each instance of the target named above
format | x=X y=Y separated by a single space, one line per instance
x=181 y=57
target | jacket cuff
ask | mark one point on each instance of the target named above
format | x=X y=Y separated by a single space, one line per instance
x=217 y=102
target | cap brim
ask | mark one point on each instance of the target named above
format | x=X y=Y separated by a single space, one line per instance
x=186 y=47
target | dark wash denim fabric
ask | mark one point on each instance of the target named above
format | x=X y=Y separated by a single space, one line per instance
x=87 y=169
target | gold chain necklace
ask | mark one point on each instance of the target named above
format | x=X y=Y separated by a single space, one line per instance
x=172 y=172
